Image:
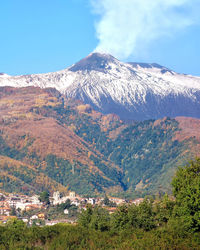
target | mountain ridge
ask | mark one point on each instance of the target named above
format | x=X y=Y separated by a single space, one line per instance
x=134 y=91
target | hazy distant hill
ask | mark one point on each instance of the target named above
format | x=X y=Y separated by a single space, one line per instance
x=50 y=142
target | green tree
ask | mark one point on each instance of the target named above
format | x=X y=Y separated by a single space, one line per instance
x=164 y=209
x=96 y=218
x=146 y=215
x=13 y=211
x=86 y=216
x=120 y=219
x=44 y=197
x=65 y=205
x=186 y=189
x=15 y=224
x=100 y=219
x=106 y=201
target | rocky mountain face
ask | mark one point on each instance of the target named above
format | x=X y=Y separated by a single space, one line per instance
x=49 y=142
x=134 y=91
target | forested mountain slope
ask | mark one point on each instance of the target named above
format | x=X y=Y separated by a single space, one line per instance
x=50 y=142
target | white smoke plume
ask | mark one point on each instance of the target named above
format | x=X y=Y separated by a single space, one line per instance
x=127 y=27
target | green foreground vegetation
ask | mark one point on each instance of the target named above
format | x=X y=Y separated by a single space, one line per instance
x=153 y=224
x=75 y=237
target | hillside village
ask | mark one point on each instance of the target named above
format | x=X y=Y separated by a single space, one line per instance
x=32 y=210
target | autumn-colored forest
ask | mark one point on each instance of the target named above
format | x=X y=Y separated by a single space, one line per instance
x=48 y=142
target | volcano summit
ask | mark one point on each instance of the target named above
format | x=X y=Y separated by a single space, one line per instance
x=134 y=91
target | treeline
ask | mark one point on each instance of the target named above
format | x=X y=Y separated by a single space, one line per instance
x=153 y=224
x=179 y=214
x=62 y=237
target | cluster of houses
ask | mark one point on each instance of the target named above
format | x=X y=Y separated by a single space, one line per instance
x=12 y=204
x=20 y=203
x=81 y=202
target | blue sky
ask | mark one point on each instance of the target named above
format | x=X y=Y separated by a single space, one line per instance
x=39 y=36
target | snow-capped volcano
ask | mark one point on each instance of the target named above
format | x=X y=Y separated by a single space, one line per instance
x=135 y=91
